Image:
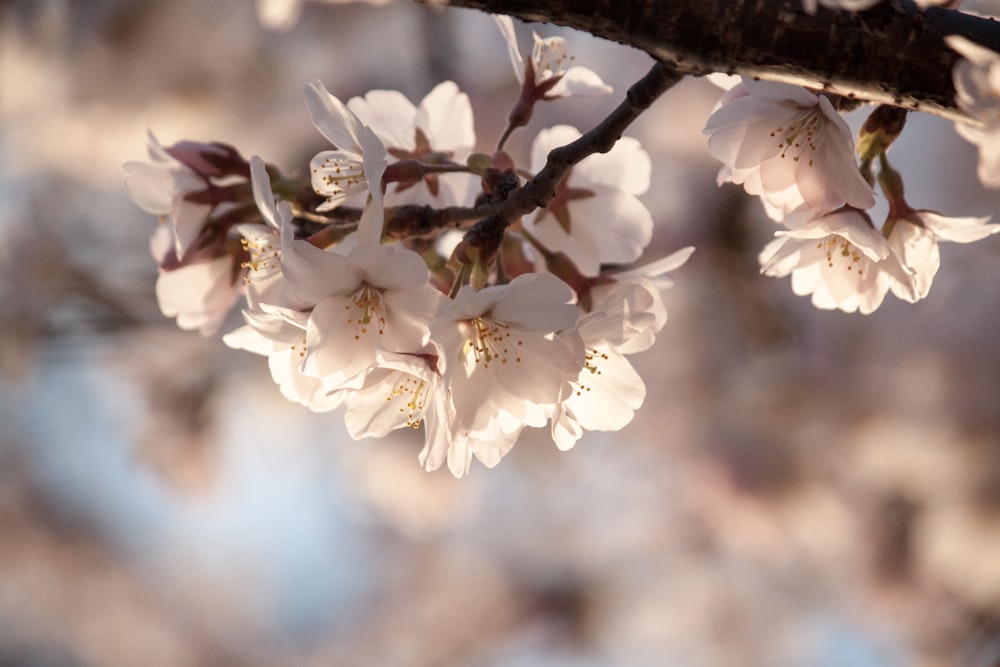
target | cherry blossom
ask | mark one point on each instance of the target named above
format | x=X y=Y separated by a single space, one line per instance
x=501 y=362
x=439 y=131
x=549 y=72
x=607 y=391
x=840 y=259
x=595 y=217
x=356 y=165
x=789 y=146
x=183 y=184
x=914 y=236
x=977 y=85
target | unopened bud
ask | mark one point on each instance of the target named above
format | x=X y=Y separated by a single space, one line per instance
x=880 y=129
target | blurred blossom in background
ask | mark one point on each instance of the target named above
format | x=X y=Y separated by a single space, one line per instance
x=800 y=488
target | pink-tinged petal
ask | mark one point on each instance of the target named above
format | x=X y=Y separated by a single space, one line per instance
x=388 y=267
x=339 y=345
x=853 y=226
x=375 y=162
x=408 y=313
x=298 y=388
x=626 y=167
x=536 y=369
x=199 y=295
x=741 y=133
x=506 y=26
x=580 y=81
x=620 y=225
x=312 y=273
x=918 y=249
x=189 y=219
x=389 y=114
x=553 y=137
x=150 y=186
x=388 y=400
x=537 y=302
x=630 y=309
x=958 y=230
x=263 y=196
x=370 y=225
x=580 y=247
x=445 y=116
x=249 y=339
x=332 y=118
x=607 y=392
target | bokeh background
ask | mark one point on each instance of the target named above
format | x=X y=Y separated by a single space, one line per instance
x=802 y=488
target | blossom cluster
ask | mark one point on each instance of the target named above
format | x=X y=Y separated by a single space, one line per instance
x=521 y=322
x=790 y=147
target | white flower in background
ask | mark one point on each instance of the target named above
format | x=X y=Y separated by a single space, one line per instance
x=840 y=259
x=439 y=131
x=357 y=164
x=915 y=235
x=608 y=390
x=162 y=186
x=789 y=146
x=977 y=85
x=810 y=6
x=284 y=14
x=595 y=217
x=200 y=294
x=501 y=361
x=550 y=71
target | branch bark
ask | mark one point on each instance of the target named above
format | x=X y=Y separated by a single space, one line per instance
x=893 y=53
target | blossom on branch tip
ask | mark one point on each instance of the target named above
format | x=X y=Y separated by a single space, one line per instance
x=789 y=146
x=356 y=165
x=840 y=259
x=977 y=85
x=596 y=217
x=549 y=73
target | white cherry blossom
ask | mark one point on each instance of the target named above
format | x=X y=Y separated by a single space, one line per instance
x=161 y=186
x=977 y=85
x=501 y=361
x=840 y=259
x=550 y=70
x=356 y=165
x=596 y=217
x=607 y=391
x=914 y=236
x=789 y=146
x=438 y=131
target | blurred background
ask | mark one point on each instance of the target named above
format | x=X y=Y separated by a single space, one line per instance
x=802 y=488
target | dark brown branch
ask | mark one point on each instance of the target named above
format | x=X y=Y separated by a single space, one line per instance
x=891 y=54
x=539 y=191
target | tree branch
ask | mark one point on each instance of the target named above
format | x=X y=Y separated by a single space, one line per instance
x=539 y=191
x=893 y=53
